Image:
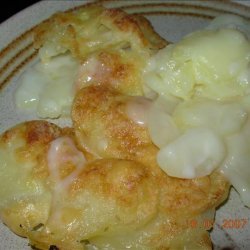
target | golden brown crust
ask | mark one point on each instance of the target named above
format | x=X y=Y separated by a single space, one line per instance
x=120 y=71
x=155 y=40
x=87 y=30
x=51 y=194
x=111 y=202
x=32 y=132
x=99 y=116
x=119 y=43
x=124 y=181
x=103 y=126
x=192 y=197
x=23 y=165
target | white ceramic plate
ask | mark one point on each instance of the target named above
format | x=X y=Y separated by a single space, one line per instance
x=172 y=19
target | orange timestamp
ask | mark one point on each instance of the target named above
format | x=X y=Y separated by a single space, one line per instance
x=239 y=223
x=195 y=223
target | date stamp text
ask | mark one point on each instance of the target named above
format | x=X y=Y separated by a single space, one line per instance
x=230 y=223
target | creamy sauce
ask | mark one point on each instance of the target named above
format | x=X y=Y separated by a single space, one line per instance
x=62 y=152
x=203 y=124
x=236 y=166
x=224 y=117
x=224 y=143
x=209 y=72
x=102 y=145
x=89 y=71
x=230 y=21
x=161 y=126
x=213 y=64
x=47 y=88
x=195 y=153
x=137 y=109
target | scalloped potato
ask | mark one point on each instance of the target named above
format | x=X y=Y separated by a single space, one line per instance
x=208 y=63
x=151 y=147
x=94 y=28
x=51 y=194
x=92 y=45
x=205 y=77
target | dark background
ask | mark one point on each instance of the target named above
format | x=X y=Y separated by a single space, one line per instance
x=11 y=7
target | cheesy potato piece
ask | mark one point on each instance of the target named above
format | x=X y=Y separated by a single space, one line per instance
x=111 y=125
x=99 y=185
x=111 y=46
x=94 y=28
x=92 y=45
x=208 y=63
x=199 y=136
x=48 y=88
x=204 y=80
x=236 y=165
x=51 y=194
x=24 y=188
x=121 y=71
x=232 y=22
x=101 y=117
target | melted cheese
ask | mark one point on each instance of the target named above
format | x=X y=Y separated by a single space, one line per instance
x=208 y=126
x=207 y=63
x=90 y=70
x=62 y=151
x=232 y=22
x=161 y=125
x=203 y=124
x=47 y=88
x=137 y=110
x=194 y=154
x=17 y=173
x=236 y=165
x=182 y=146
x=203 y=135
x=223 y=117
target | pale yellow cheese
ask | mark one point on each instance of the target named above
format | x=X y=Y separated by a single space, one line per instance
x=207 y=63
x=48 y=88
